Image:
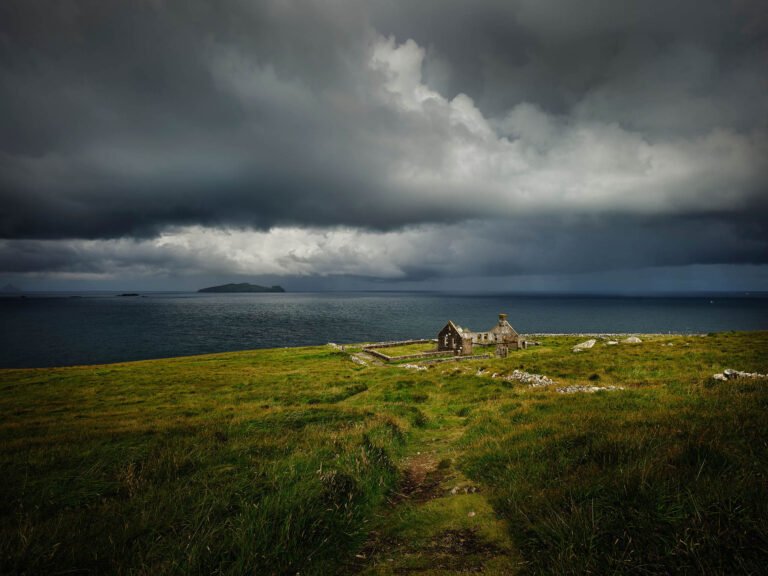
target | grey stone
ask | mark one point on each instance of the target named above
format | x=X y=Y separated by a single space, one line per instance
x=584 y=345
x=730 y=374
x=533 y=380
x=587 y=389
x=413 y=367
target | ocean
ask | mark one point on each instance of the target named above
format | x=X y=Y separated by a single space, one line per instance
x=43 y=330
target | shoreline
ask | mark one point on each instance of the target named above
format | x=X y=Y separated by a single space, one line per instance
x=354 y=345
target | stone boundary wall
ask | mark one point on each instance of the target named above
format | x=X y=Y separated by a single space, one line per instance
x=423 y=355
x=393 y=343
x=374 y=352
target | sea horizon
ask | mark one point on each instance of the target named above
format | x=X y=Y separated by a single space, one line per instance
x=45 y=329
x=526 y=293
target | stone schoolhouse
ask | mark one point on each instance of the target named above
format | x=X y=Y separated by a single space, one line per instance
x=462 y=340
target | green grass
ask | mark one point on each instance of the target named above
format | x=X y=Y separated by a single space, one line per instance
x=286 y=461
x=407 y=349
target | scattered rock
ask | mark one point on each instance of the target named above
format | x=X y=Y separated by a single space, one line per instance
x=533 y=380
x=472 y=514
x=584 y=345
x=357 y=360
x=413 y=367
x=730 y=374
x=588 y=389
x=611 y=343
x=632 y=340
x=464 y=490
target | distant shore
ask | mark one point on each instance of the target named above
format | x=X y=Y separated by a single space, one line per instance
x=242 y=287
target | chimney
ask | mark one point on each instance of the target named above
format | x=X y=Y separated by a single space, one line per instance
x=502 y=318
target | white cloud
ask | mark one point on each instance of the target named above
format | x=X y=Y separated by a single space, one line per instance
x=529 y=161
x=475 y=248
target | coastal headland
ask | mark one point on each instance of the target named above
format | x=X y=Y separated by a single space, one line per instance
x=581 y=454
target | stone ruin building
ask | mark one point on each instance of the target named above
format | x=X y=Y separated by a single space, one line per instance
x=455 y=338
x=462 y=340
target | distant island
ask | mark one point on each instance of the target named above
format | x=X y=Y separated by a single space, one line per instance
x=242 y=287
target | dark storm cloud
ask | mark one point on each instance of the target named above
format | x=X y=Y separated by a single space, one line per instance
x=121 y=118
x=597 y=135
x=556 y=53
x=551 y=245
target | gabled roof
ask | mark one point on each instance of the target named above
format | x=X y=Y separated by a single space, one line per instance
x=458 y=328
x=503 y=326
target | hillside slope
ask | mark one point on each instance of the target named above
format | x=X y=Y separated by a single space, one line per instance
x=304 y=461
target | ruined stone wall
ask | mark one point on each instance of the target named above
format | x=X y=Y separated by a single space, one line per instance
x=449 y=338
x=386 y=358
x=393 y=343
x=483 y=337
x=466 y=346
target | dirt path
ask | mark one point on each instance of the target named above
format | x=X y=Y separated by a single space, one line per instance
x=438 y=522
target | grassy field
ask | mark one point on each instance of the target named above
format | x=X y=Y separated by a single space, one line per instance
x=407 y=349
x=301 y=461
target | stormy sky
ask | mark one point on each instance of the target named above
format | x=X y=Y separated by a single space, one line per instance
x=534 y=144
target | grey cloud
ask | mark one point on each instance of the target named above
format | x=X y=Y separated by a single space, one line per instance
x=553 y=52
x=636 y=129
x=575 y=245
x=488 y=248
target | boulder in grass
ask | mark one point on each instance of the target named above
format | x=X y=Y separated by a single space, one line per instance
x=588 y=389
x=730 y=374
x=584 y=345
x=632 y=340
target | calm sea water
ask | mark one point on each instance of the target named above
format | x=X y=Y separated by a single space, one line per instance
x=58 y=330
